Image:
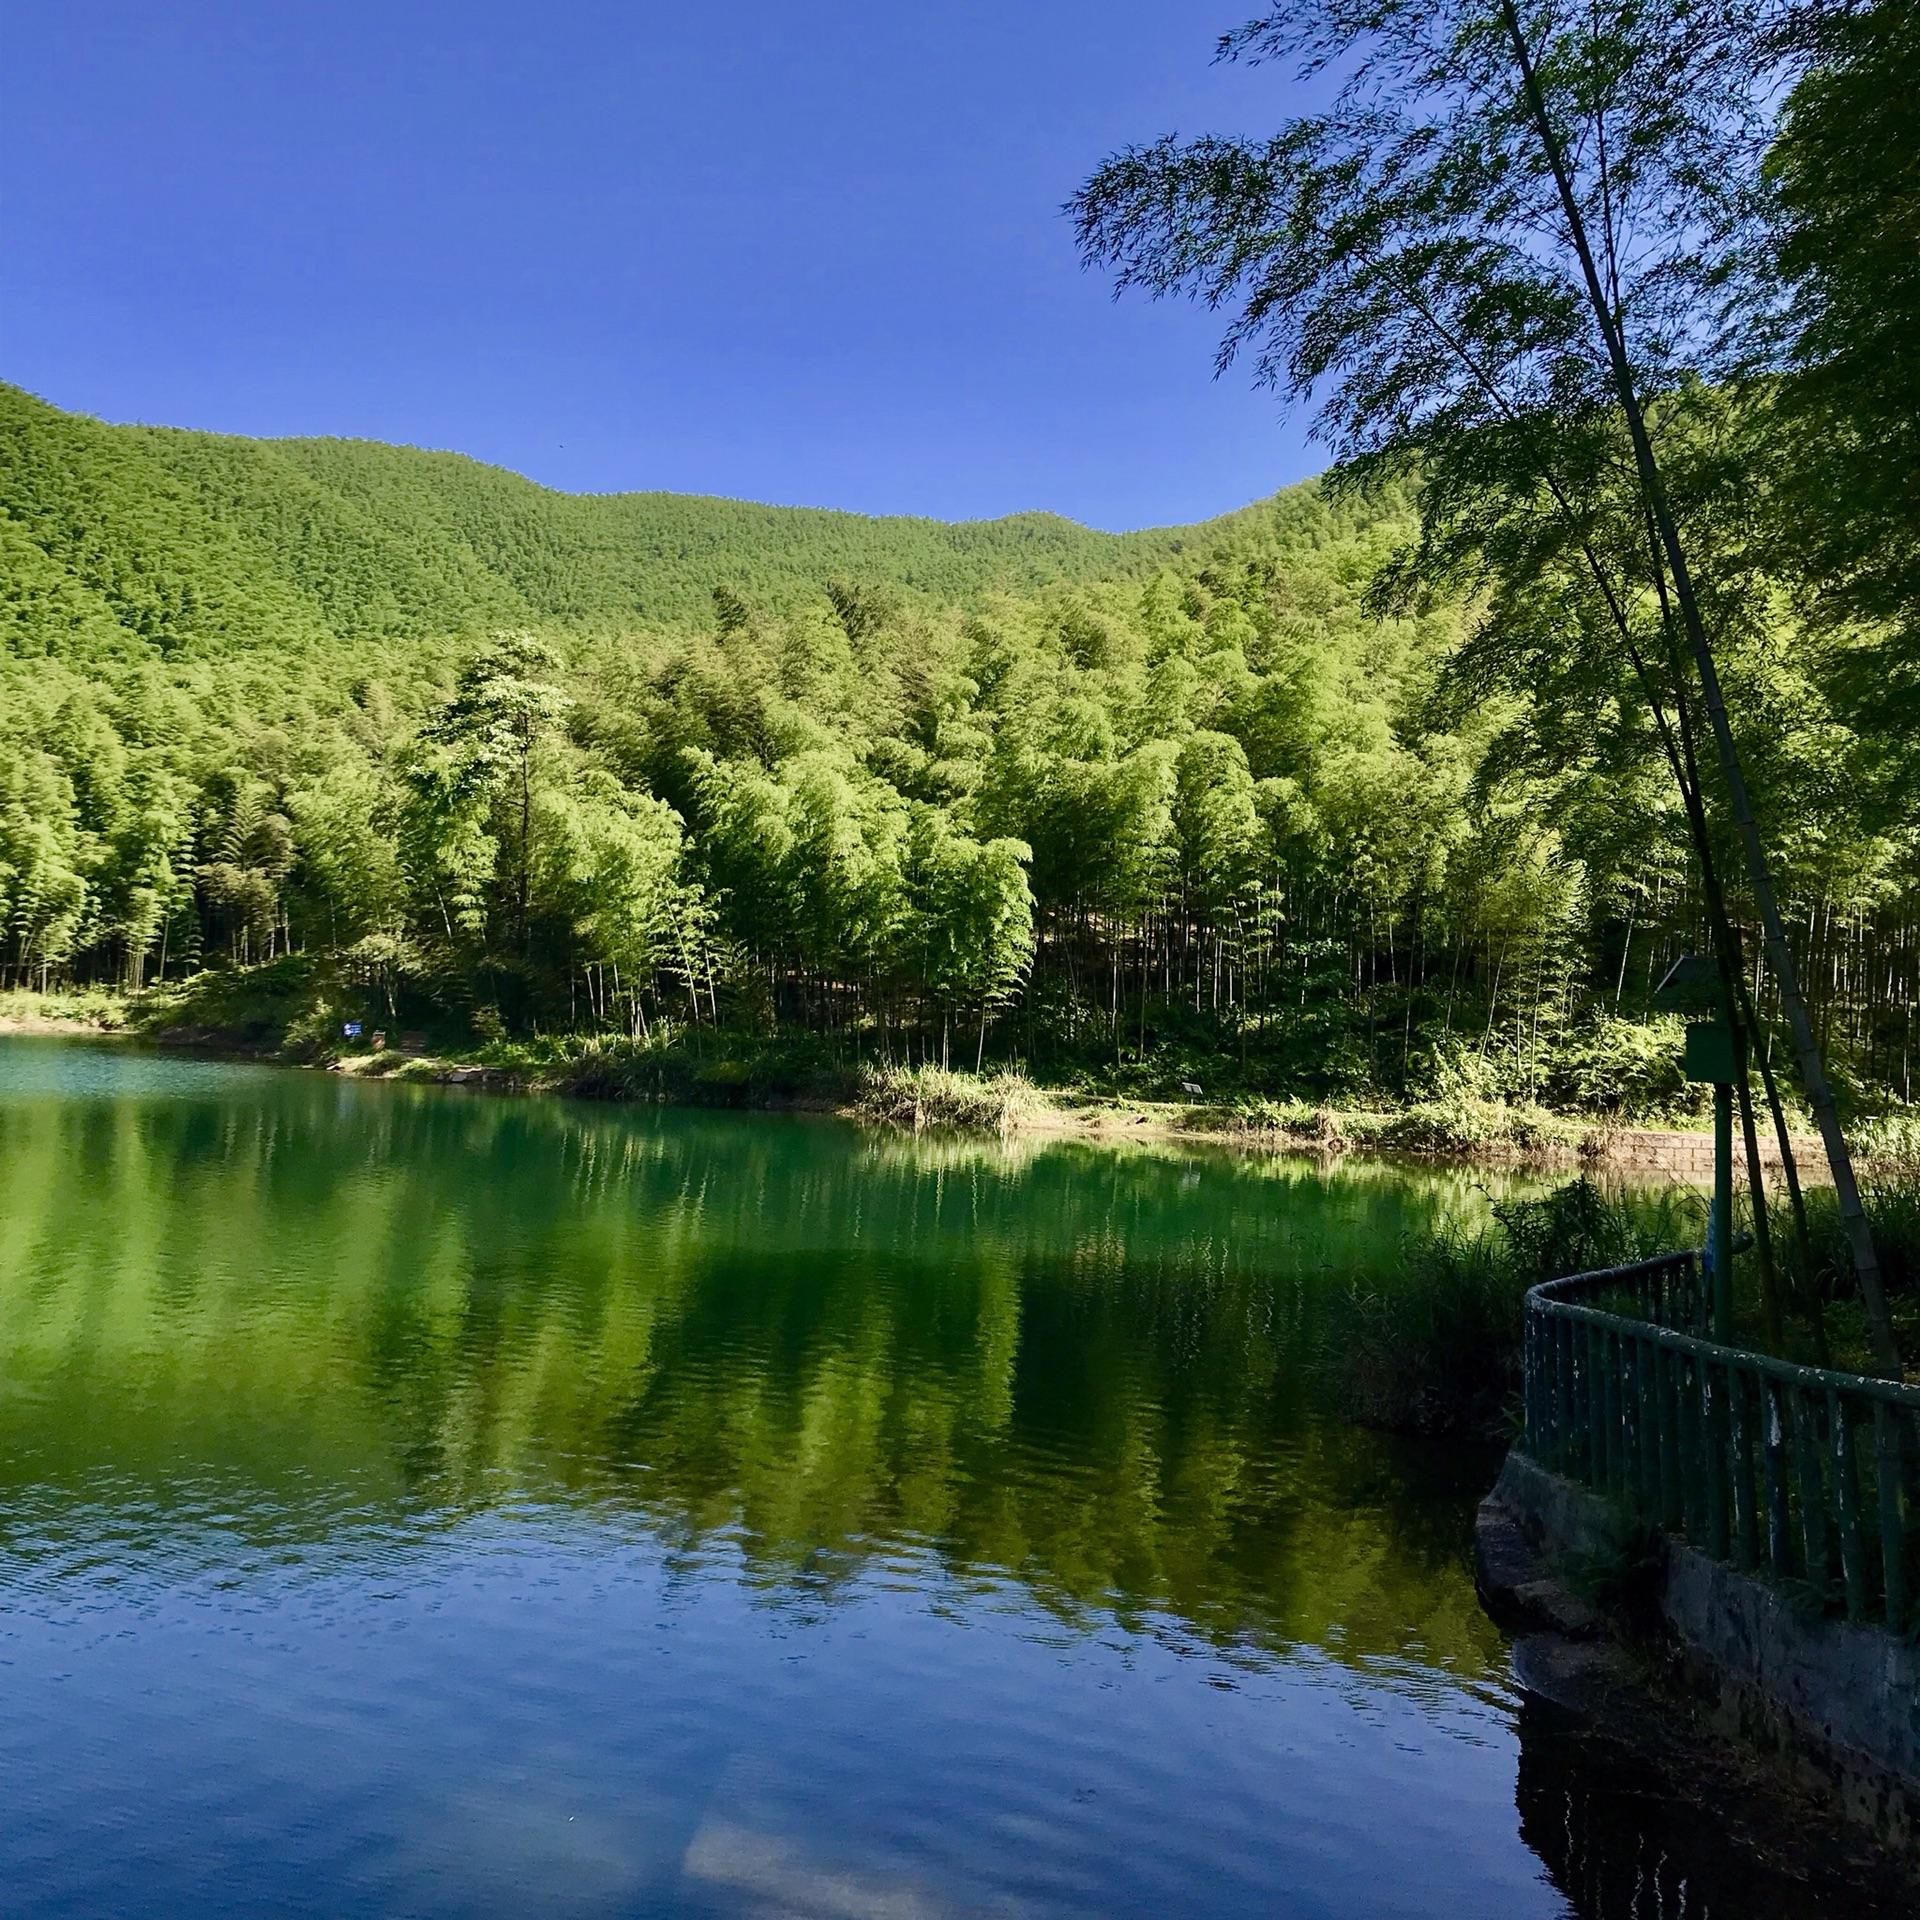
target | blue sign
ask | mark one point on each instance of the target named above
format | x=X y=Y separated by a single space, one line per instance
x=351 y=1029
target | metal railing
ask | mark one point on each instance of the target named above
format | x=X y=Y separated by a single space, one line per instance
x=1802 y=1475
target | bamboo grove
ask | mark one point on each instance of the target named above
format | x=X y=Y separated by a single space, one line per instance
x=1405 y=785
x=1560 y=265
x=1212 y=815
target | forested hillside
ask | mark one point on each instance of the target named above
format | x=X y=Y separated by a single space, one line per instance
x=199 y=541
x=486 y=758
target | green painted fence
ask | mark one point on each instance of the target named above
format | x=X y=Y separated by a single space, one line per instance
x=1804 y=1476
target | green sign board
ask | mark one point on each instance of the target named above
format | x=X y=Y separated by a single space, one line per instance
x=1709 y=1054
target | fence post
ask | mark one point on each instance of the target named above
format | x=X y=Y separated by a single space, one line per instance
x=1740 y=1413
x=1779 y=1517
x=1813 y=1493
x=1846 y=1506
x=1672 y=1463
x=1713 y=1420
x=1889 y=1457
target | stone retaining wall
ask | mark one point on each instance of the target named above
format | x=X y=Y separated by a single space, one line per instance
x=1689 y=1156
x=1838 y=1703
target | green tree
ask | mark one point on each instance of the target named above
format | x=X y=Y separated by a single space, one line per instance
x=250 y=852
x=474 y=783
x=1846 y=167
x=611 y=869
x=43 y=895
x=1502 y=257
x=969 y=920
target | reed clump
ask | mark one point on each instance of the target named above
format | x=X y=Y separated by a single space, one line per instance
x=922 y=1097
x=1433 y=1345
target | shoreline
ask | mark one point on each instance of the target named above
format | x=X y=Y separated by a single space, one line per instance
x=1543 y=1141
x=56 y=1023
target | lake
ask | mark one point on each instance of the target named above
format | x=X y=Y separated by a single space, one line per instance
x=422 y=1503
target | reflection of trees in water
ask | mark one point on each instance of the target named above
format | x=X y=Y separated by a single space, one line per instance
x=333 y=1321
x=1078 y=1368
x=1622 y=1840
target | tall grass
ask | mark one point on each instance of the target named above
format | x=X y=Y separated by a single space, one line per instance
x=919 y=1097
x=1890 y=1193
x=1433 y=1345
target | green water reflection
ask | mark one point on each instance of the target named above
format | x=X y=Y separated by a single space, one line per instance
x=284 y=1307
x=413 y=1502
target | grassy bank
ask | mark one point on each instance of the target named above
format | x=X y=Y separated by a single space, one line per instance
x=71 y=1009
x=681 y=1066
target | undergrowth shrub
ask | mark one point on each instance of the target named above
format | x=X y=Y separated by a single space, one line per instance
x=1433 y=1346
x=1459 y=1125
x=920 y=1097
x=1890 y=1194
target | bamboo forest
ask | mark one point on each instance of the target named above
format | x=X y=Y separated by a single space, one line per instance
x=504 y=760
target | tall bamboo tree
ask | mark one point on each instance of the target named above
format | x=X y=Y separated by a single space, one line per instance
x=1511 y=241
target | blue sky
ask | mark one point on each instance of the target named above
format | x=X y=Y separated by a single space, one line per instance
x=805 y=253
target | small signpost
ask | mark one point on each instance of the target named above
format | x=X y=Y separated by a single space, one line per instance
x=1692 y=987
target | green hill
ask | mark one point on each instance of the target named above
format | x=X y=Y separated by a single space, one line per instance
x=200 y=541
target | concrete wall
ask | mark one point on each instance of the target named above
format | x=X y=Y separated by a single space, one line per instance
x=1839 y=1703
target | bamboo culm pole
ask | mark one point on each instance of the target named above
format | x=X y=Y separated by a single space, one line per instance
x=1813 y=1073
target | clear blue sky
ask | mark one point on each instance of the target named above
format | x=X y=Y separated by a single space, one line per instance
x=794 y=252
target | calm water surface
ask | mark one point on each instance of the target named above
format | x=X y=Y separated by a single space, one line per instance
x=420 y=1504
